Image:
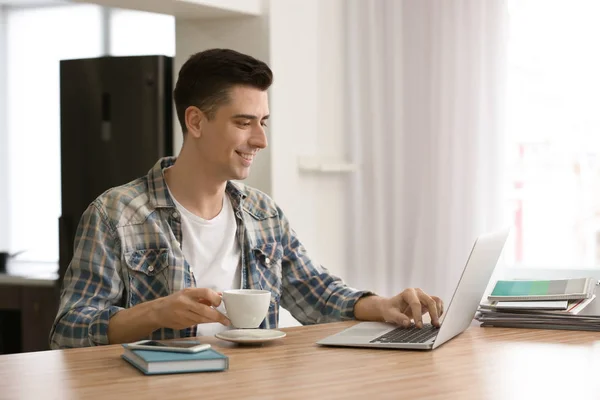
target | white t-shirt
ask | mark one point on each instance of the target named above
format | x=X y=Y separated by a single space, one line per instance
x=212 y=250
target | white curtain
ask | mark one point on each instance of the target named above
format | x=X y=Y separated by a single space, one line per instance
x=425 y=92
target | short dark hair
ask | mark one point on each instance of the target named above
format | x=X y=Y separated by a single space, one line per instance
x=206 y=77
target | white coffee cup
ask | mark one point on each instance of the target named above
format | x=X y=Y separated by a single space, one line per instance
x=245 y=308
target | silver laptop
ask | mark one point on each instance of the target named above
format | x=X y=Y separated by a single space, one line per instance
x=459 y=315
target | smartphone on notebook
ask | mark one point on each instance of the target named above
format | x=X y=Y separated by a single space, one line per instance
x=177 y=346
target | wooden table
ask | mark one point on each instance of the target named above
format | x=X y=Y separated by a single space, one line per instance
x=482 y=363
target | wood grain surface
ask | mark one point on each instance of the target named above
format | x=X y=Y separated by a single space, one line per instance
x=481 y=363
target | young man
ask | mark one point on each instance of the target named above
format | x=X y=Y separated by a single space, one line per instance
x=152 y=256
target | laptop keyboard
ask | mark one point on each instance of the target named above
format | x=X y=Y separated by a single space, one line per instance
x=411 y=334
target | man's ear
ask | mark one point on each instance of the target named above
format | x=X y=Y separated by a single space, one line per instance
x=194 y=121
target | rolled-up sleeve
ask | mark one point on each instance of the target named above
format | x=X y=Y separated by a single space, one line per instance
x=309 y=291
x=92 y=288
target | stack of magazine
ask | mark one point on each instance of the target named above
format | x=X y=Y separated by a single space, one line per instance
x=543 y=304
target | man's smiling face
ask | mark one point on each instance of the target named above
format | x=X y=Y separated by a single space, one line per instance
x=229 y=141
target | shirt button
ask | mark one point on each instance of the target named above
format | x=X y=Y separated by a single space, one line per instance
x=267 y=260
x=150 y=268
x=175 y=214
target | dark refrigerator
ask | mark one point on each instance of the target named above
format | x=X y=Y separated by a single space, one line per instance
x=116 y=122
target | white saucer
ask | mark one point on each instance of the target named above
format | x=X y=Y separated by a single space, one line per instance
x=250 y=335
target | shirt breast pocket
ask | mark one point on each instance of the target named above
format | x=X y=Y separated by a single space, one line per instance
x=147 y=269
x=268 y=258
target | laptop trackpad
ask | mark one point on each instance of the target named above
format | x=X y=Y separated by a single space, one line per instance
x=366 y=329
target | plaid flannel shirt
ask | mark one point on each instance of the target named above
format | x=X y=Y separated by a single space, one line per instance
x=128 y=250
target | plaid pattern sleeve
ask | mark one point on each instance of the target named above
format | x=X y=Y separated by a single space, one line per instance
x=92 y=286
x=309 y=292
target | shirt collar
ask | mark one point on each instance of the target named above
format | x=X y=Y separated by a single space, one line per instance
x=159 y=192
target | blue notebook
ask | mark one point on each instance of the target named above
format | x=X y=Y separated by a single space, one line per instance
x=162 y=362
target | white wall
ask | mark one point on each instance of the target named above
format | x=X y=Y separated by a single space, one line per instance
x=307 y=120
x=245 y=34
x=4 y=214
x=294 y=99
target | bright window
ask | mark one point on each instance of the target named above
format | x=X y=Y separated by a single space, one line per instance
x=33 y=116
x=554 y=132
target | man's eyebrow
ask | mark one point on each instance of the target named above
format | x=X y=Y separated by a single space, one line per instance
x=249 y=116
